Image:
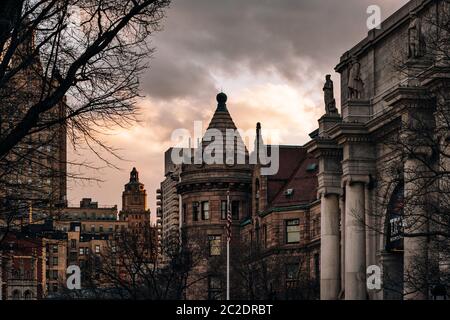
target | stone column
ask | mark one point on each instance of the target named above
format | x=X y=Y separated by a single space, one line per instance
x=329 y=247
x=355 y=242
x=415 y=221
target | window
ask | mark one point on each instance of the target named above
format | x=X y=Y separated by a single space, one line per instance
x=55 y=261
x=214 y=288
x=235 y=210
x=28 y=295
x=101 y=228
x=215 y=246
x=195 y=211
x=92 y=227
x=73 y=243
x=293 y=231
x=73 y=257
x=97 y=248
x=54 y=274
x=317 y=267
x=16 y=295
x=223 y=210
x=205 y=210
x=81 y=251
x=55 y=249
x=111 y=228
x=291 y=272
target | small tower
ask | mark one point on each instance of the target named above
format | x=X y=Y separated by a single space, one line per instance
x=134 y=202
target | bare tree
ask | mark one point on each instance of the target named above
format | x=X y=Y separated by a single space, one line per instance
x=271 y=274
x=132 y=267
x=414 y=181
x=67 y=68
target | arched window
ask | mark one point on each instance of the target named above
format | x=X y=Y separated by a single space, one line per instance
x=28 y=295
x=16 y=295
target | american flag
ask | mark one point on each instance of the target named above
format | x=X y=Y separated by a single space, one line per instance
x=229 y=217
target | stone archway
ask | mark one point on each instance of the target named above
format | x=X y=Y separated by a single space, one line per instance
x=392 y=256
x=16 y=295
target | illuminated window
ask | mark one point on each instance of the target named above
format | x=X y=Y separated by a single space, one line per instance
x=293 y=231
x=215 y=246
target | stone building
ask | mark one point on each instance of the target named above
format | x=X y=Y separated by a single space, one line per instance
x=134 y=203
x=282 y=235
x=23 y=268
x=388 y=84
x=274 y=229
x=204 y=189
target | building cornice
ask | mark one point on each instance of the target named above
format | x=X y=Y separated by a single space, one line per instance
x=388 y=26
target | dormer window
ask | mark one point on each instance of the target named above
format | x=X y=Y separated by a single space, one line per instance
x=289 y=192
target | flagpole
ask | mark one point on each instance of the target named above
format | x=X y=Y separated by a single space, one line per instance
x=228 y=269
x=228 y=247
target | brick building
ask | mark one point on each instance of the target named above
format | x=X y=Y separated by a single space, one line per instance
x=275 y=220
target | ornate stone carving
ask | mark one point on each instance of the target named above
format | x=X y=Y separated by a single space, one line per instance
x=355 y=84
x=416 y=44
x=330 y=101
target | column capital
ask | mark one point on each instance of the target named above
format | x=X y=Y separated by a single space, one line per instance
x=328 y=191
x=350 y=179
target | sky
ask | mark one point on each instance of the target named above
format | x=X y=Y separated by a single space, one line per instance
x=269 y=56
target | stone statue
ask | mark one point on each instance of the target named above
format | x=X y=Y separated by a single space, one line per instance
x=355 y=84
x=328 y=90
x=415 y=38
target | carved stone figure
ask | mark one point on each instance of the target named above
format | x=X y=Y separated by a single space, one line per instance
x=330 y=101
x=416 y=46
x=355 y=84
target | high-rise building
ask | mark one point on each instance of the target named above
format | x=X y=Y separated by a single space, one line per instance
x=33 y=173
x=169 y=204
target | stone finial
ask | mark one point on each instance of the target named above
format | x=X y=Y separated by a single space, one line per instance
x=222 y=101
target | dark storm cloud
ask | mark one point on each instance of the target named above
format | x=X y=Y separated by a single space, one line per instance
x=283 y=47
x=202 y=37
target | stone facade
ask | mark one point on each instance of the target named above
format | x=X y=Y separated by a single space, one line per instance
x=134 y=203
x=387 y=81
x=274 y=230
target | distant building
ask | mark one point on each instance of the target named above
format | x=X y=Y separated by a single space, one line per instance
x=33 y=175
x=134 y=203
x=168 y=203
x=23 y=268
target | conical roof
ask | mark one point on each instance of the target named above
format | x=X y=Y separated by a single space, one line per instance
x=223 y=123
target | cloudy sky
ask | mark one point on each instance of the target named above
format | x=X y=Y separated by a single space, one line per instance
x=269 y=56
